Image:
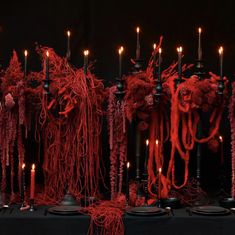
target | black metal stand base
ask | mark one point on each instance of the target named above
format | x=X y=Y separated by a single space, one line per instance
x=69 y=200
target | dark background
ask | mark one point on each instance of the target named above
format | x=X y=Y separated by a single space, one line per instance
x=102 y=26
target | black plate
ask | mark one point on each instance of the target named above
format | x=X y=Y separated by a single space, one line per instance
x=210 y=210
x=146 y=211
x=65 y=210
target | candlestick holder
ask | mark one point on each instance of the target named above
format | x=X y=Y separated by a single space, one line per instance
x=46 y=86
x=68 y=199
x=177 y=81
x=31 y=204
x=137 y=65
x=199 y=69
x=120 y=92
x=220 y=87
x=145 y=182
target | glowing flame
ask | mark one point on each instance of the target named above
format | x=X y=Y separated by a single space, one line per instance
x=154 y=46
x=120 y=50
x=25 y=53
x=86 y=53
x=68 y=33
x=128 y=165
x=33 y=167
x=157 y=142
x=160 y=50
x=147 y=142
x=221 y=138
x=160 y=170
x=47 y=53
x=221 y=49
x=138 y=30
x=199 y=30
x=23 y=166
x=179 y=49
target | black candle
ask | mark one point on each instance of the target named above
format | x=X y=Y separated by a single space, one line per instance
x=68 y=54
x=47 y=66
x=179 y=50
x=137 y=43
x=199 y=44
x=25 y=64
x=159 y=63
x=120 y=61
x=221 y=50
x=85 y=66
x=127 y=182
x=221 y=149
x=159 y=182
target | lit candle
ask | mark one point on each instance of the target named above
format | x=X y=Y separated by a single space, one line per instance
x=159 y=182
x=137 y=43
x=199 y=44
x=86 y=53
x=154 y=58
x=159 y=63
x=221 y=52
x=23 y=186
x=146 y=156
x=120 y=51
x=179 y=50
x=25 y=64
x=221 y=149
x=47 y=65
x=32 y=182
x=68 y=54
x=127 y=182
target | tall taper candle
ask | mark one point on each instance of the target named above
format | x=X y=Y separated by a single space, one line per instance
x=32 y=182
x=159 y=63
x=25 y=63
x=221 y=149
x=159 y=182
x=199 y=44
x=127 y=182
x=179 y=50
x=221 y=52
x=146 y=156
x=68 y=53
x=154 y=59
x=120 y=51
x=23 y=186
x=47 y=65
x=86 y=53
x=137 y=43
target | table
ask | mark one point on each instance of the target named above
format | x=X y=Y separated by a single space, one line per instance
x=39 y=223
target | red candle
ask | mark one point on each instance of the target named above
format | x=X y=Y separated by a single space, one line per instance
x=159 y=183
x=32 y=182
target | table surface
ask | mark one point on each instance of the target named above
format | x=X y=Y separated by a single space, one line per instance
x=14 y=221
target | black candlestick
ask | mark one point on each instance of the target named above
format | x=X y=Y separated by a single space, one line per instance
x=127 y=183
x=68 y=53
x=25 y=64
x=220 y=87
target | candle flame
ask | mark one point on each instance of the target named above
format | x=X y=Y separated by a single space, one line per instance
x=120 y=50
x=160 y=170
x=221 y=138
x=23 y=166
x=47 y=53
x=128 y=165
x=138 y=30
x=25 y=53
x=160 y=50
x=157 y=142
x=199 y=30
x=154 y=46
x=147 y=142
x=179 y=49
x=221 y=50
x=33 y=167
x=68 y=33
x=86 y=52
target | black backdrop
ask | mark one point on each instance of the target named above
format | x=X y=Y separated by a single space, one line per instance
x=104 y=25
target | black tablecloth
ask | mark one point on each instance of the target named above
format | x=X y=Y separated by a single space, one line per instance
x=37 y=222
